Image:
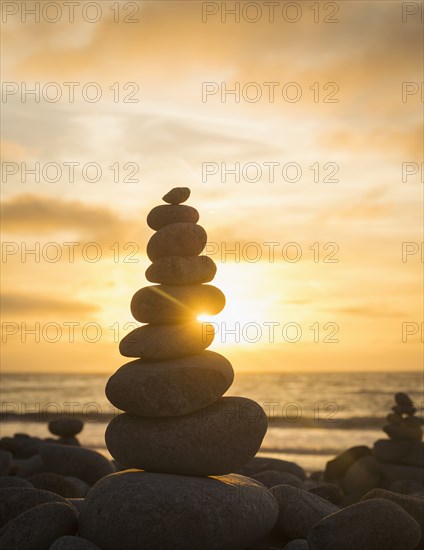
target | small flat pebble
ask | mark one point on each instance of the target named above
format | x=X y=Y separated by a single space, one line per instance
x=165 y=214
x=177 y=239
x=181 y=270
x=177 y=195
x=38 y=527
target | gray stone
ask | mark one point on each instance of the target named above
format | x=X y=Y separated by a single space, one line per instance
x=28 y=467
x=177 y=239
x=410 y=453
x=412 y=506
x=13 y=481
x=396 y=472
x=39 y=527
x=168 y=340
x=403 y=432
x=165 y=214
x=177 y=195
x=66 y=426
x=15 y=500
x=173 y=303
x=69 y=542
x=181 y=270
x=76 y=502
x=6 y=459
x=299 y=510
x=134 y=510
x=362 y=476
x=68 y=487
x=270 y=478
x=297 y=544
x=336 y=468
x=374 y=524
x=262 y=463
x=171 y=387
x=215 y=440
x=328 y=491
x=78 y=462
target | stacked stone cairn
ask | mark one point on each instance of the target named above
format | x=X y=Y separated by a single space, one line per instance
x=177 y=430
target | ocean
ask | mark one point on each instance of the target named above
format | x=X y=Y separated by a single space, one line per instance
x=312 y=416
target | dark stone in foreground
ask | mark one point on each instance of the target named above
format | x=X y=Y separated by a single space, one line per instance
x=328 y=491
x=261 y=463
x=213 y=441
x=39 y=527
x=271 y=478
x=133 y=510
x=13 y=481
x=69 y=542
x=68 y=487
x=336 y=468
x=376 y=524
x=171 y=387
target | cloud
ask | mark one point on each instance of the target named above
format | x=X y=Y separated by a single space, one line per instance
x=27 y=304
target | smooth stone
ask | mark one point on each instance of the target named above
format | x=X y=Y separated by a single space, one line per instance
x=13 y=481
x=362 y=476
x=408 y=488
x=213 y=441
x=299 y=510
x=68 y=487
x=260 y=464
x=165 y=214
x=68 y=441
x=336 y=468
x=270 y=478
x=393 y=418
x=78 y=462
x=6 y=459
x=76 y=502
x=403 y=432
x=39 y=527
x=171 y=387
x=412 y=421
x=69 y=542
x=328 y=491
x=412 y=506
x=177 y=195
x=172 y=304
x=29 y=466
x=402 y=398
x=134 y=510
x=177 y=239
x=374 y=524
x=396 y=472
x=168 y=340
x=297 y=544
x=408 y=409
x=409 y=453
x=181 y=270
x=66 y=426
x=15 y=500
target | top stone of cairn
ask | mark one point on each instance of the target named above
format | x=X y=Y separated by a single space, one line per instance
x=177 y=195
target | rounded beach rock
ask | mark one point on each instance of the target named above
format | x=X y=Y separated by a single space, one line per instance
x=215 y=440
x=170 y=303
x=337 y=467
x=171 y=387
x=177 y=195
x=181 y=270
x=168 y=340
x=13 y=481
x=374 y=524
x=177 y=239
x=134 y=510
x=66 y=426
x=362 y=476
x=299 y=510
x=165 y=214
x=410 y=453
x=270 y=478
x=68 y=487
x=260 y=464
x=39 y=527
x=69 y=542
x=79 y=462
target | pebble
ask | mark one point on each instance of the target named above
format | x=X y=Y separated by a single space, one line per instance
x=396 y=472
x=29 y=466
x=68 y=487
x=336 y=468
x=403 y=432
x=170 y=387
x=409 y=453
x=406 y=408
x=78 y=462
x=38 y=527
x=135 y=509
x=170 y=303
x=165 y=214
x=177 y=195
x=167 y=341
x=260 y=464
x=362 y=476
x=6 y=459
x=299 y=510
x=270 y=478
x=69 y=542
x=402 y=399
x=177 y=239
x=374 y=524
x=328 y=491
x=66 y=426
x=213 y=441
x=181 y=270
x=13 y=481
x=15 y=500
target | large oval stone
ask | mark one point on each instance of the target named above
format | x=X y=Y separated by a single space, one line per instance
x=170 y=388
x=170 y=303
x=181 y=270
x=177 y=239
x=215 y=440
x=166 y=214
x=134 y=510
x=167 y=341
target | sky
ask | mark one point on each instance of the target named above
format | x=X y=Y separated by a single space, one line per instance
x=298 y=127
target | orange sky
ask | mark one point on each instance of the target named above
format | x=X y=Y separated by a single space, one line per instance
x=327 y=169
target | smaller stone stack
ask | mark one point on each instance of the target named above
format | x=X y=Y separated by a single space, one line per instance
x=403 y=425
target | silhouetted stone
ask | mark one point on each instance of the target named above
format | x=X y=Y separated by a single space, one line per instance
x=66 y=426
x=260 y=464
x=336 y=468
x=177 y=239
x=165 y=214
x=409 y=453
x=177 y=195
